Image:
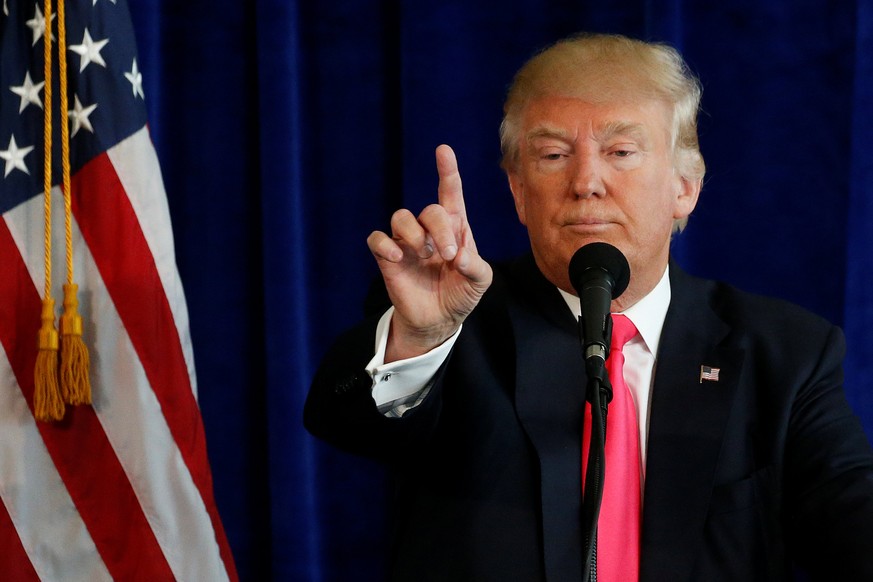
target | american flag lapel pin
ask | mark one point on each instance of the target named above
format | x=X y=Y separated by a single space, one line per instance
x=708 y=374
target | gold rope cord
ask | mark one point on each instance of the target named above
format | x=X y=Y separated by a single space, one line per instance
x=47 y=402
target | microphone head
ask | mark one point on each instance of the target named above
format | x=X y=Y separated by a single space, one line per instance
x=593 y=260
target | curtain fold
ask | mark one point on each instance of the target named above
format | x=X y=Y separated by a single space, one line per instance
x=287 y=296
x=858 y=322
x=289 y=130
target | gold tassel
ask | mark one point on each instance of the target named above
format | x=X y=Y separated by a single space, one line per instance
x=47 y=403
x=75 y=382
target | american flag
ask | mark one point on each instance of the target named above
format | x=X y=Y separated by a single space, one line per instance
x=121 y=489
x=709 y=374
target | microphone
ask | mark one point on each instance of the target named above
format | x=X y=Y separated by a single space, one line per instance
x=600 y=273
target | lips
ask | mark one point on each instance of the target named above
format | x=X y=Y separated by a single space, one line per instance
x=585 y=223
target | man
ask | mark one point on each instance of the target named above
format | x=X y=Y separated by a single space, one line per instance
x=473 y=388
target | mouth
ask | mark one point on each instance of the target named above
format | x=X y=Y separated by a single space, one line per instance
x=586 y=225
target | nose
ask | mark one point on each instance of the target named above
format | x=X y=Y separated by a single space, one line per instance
x=587 y=178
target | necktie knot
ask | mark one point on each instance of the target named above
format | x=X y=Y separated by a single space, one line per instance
x=623 y=329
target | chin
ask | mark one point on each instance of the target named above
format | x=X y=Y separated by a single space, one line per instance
x=578 y=242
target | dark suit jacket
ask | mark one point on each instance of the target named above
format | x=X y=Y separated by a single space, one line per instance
x=765 y=467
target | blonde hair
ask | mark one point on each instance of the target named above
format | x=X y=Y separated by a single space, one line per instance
x=599 y=68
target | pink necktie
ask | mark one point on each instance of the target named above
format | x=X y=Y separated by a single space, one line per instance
x=618 y=527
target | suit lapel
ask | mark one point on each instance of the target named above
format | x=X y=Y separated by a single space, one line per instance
x=686 y=427
x=550 y=388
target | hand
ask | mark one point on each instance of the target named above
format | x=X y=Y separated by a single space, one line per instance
x=432 y=270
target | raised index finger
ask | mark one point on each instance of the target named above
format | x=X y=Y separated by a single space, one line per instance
x=449 y=192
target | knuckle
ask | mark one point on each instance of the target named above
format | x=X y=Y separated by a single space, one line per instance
x=404 y=225
x=431 y=208
x=434 y=218
x=400 y=216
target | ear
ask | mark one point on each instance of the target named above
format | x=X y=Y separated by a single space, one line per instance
x=517 y=187
x=687 y=193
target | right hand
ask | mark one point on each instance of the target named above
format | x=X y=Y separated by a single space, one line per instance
x=432 y=270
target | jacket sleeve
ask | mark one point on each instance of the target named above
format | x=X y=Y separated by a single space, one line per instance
x=340 y=409
x=829 y=476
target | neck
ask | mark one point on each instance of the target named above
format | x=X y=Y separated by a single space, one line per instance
x=639 y=287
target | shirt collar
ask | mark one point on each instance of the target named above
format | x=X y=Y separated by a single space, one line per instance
x=647 y=314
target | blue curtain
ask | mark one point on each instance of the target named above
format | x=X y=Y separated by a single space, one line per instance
x=289 y=129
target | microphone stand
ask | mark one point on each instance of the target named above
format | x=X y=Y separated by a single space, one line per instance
x=599 y=273
x=598 y=394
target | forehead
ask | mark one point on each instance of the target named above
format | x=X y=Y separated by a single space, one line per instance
x=571 y=117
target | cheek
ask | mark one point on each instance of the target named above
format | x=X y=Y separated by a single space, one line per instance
x=653 y=209
x=540 y=214
x=664 y=193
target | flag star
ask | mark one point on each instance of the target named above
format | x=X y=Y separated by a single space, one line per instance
x=28 y=92
x=135 y=78
x=37 y=24
x=79 y=116
x=14 y=157
x=89 y=50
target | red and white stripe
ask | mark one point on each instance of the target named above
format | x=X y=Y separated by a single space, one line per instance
x=121 y=489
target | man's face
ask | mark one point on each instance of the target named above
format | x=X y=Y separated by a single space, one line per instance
x=599 y=172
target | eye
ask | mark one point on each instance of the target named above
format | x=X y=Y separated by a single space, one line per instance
x=625 y=156
x=552 y=156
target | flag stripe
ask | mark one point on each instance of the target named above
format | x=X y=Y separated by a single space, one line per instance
x=14 y=563
x=107 y=505
x=136 y=164
x=58 y=543
x=122 y=255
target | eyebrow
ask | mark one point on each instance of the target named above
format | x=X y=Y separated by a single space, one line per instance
x=547 y=131
x=630 y=129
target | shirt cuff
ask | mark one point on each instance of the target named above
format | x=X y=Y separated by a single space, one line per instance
x=401 y=381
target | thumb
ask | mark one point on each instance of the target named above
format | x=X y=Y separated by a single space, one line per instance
x=472 y=266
